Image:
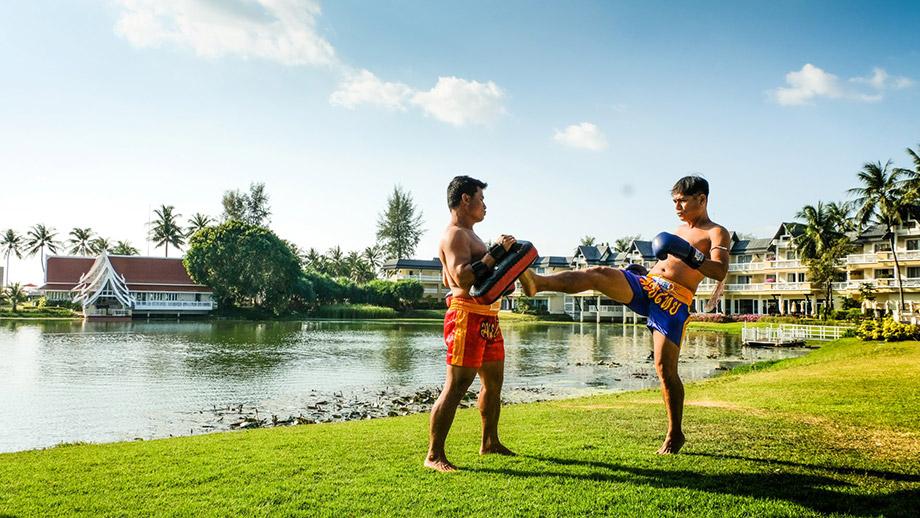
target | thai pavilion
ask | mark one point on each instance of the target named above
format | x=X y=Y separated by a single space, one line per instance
x=122 y=286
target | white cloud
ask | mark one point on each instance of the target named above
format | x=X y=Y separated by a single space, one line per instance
x=582 y=136
x=811 y=82
x=283 y=31
x=459 y=102
x=363 y=87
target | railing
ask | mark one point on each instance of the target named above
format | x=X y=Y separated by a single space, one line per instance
x=103 y=312
x=420 y=278
x=779 y=264
x=878 y=257
x=785 y=333
x=173 y=304
x=877 y=283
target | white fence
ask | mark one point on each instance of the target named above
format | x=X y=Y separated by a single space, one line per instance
x=787 y=333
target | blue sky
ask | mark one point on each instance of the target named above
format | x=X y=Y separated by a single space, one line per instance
x=579 y=115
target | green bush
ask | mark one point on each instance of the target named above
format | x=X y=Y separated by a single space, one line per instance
x=353 y=311
x=887 y=330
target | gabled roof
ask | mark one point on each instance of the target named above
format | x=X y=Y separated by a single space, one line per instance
x=140 y=273
x=791 y=228
x=589 y=252
x=421 y=264
x=748 y=246
x=644 y=248
x=871 y=233
x=552 y=261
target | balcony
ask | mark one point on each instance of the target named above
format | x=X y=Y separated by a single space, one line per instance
x=882 y=257
x=885 y=284
x=765 y=265
x=173 y=305
x=420 y=277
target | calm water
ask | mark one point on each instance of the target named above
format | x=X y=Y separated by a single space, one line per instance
x=65 y=382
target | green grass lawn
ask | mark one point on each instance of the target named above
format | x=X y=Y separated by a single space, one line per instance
x=836 y=431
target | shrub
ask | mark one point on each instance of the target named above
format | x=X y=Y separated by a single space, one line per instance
x=719 y=318
x=888 y=330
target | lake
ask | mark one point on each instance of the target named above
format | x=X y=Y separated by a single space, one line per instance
x=101 y=382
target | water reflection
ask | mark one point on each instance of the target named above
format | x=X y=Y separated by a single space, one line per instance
x=66 y=381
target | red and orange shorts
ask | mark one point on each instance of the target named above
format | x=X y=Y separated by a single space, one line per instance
x=472 y=334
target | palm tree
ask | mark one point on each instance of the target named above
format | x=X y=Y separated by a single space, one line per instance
x=822 y=245
x=41 y=237
x=314 y=260
x=374 y=257
x=881 y=199
x=100 y=244
x=15 y=295
x=165 y=230
x=841 y=216
x=197 y=222
x=125 y=248
x=335 y=261
x=588 y=241
x=81 y=241
x=359 y=270
x=820 y=230
x=12 y=245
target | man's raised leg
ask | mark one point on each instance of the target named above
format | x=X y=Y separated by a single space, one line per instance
x=609 y=281
x=458 y=381
x=492 y=375
x=672 y=390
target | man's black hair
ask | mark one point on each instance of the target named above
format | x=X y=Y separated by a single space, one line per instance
x=461 y=185
x=691 y=185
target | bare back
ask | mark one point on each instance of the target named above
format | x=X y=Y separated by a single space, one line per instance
x=704 y=238
x=459 y=246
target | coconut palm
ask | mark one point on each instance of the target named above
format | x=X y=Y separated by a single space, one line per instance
x=15 y=295
x=841 y=216
x=11 y=243
x=101 y=244
x=881 y=199
x=819 y=232
x=125 y=248
x=335 y=262
x=374 y=257
x=197 y=222
x=41 y=237
x=165 y=230
x=358 y=269
x=81 y=241
x=588 y=241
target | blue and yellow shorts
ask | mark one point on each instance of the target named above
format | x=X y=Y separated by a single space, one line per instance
x=663 y=302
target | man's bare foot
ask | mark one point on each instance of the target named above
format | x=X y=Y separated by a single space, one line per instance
x=440 y=464
x=672 y=444
x=528 y=283
x=498 y=449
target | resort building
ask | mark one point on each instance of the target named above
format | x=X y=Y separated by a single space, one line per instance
x=426 y=271
x=119 y=286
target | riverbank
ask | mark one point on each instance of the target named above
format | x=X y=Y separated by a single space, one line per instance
x=831 y=432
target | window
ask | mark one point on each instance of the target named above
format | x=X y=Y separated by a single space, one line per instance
x=790 y=255
x=913 y=272
x=743 y=279
x=882 y=247
x=747 y=258
x=795 y=277
x=913 y=244
x=884 y=273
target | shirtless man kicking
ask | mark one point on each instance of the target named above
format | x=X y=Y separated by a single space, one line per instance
x=474 y=340
x=664 y=294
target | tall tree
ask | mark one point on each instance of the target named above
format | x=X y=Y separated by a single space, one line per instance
x=588 y=241
x=314 y=260
x=101 y=244
x=822 y=245
x=880 y=199
x=39 y=238
x=399 y=226
x=374 y=256
x=80 y=239
x=359 y=270
x=125 y=248
x=166 y=231
x=335 y=262
x=252 y=207
x=197 y=222
x=841 y=217
x=11 y=244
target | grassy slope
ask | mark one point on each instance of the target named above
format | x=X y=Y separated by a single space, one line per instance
x=833 y=432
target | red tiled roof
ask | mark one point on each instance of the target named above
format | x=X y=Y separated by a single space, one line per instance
x=140 y=273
